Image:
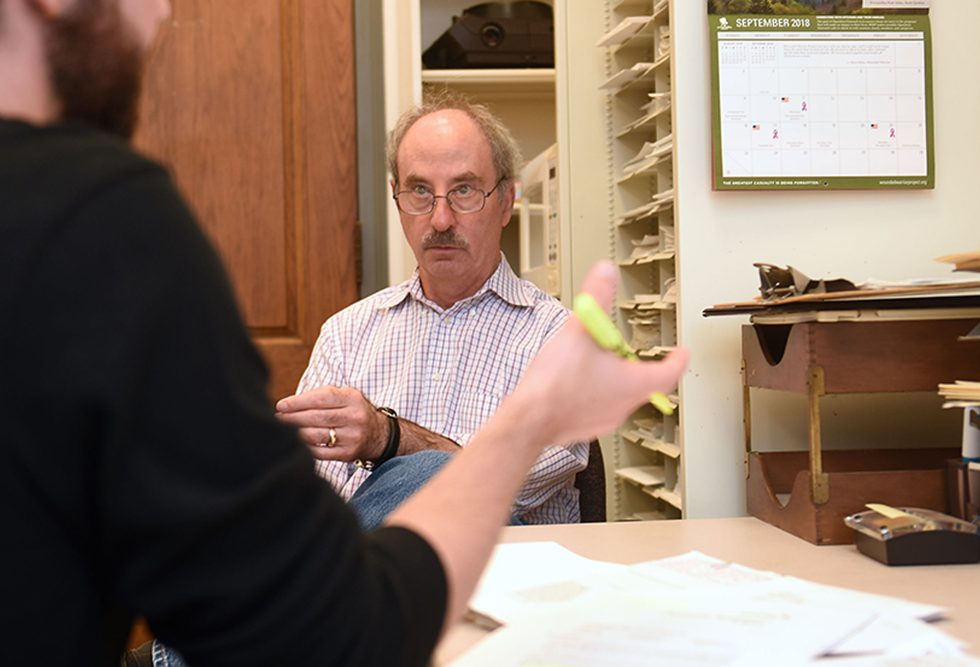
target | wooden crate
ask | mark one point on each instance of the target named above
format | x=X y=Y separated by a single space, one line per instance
x=897 y=477
x=821 y=358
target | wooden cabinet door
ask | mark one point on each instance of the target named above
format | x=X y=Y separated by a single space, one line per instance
x=252 y=106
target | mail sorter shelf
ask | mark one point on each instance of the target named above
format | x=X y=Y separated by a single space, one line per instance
x=820 y=358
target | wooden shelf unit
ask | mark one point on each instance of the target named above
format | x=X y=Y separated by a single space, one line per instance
x=822 y=358
x=638 y=89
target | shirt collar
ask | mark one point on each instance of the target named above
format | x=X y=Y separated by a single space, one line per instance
x=503 y=282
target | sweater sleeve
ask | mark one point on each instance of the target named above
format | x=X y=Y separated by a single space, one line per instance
x=210 y=521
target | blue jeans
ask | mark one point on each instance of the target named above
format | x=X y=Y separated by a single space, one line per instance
x=393 y=483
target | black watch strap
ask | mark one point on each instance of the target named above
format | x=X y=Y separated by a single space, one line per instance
x=394 y=438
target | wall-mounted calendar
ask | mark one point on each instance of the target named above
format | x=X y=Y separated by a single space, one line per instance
x=821 y=101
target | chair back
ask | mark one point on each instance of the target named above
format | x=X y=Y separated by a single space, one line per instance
x=591 y=485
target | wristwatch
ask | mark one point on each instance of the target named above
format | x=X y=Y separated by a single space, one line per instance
x=391 y=448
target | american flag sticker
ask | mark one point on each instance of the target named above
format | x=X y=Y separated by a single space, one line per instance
x=785 y=99
x=756 y=127
x=874 y=126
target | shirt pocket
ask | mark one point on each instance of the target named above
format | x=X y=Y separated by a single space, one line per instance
x=497 y=375
x=471 y=412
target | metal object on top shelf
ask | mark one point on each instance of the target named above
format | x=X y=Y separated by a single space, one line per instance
x=496 y=34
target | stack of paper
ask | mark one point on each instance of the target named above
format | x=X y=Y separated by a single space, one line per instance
x=663 y=40
x=646 y=250
x=653 y=436
x=643 y=476
x=649 y=433
x=626 y=29
x=643 y=212
x=690 y=610
x=637 y=72
x=960 y=394
x=649 y=429
x=641 y=302
x=645 y=247
x=649 y=155
x=664 y=196
x=658 y=352
x=645 y=303
x=646 y=331
x=658 y=104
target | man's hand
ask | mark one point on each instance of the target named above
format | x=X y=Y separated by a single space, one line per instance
x=336 y=423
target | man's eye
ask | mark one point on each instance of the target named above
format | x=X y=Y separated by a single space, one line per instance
x=421 y=191
x=463 y=190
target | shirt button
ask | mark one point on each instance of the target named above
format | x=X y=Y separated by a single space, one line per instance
x=436 y=376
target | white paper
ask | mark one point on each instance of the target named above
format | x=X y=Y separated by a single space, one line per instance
x=626 y=29
x=522 y=577
x=622 y=628
x=691 y=610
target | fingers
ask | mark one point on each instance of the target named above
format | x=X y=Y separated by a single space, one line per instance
x=321 y=398
x=329 y=454
x=335 y=423
x=601 y=282
x=330 y=444
x=314 y=436
x=327 y=448
x=317 y=419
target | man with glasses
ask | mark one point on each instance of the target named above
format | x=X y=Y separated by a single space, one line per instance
x=401 y=380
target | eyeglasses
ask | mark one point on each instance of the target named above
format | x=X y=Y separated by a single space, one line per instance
x=419 y=200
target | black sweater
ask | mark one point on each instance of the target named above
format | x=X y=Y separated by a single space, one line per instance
x=142 y=471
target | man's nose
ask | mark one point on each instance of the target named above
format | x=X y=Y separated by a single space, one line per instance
x=443 y=216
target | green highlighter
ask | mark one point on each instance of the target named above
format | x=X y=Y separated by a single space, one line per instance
x=607 y=335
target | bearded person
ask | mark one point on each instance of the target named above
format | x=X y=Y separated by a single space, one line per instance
x=143 y=471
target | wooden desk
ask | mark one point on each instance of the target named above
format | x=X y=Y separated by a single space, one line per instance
x=756 y=544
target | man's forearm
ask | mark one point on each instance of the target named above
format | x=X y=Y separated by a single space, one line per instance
x=415 y=438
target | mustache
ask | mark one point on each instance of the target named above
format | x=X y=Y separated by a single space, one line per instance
x=448 y=238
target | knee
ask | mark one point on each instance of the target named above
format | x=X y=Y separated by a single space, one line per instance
x=429 y=457
x=420 y=464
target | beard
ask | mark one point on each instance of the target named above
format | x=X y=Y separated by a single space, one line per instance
x=96 y=66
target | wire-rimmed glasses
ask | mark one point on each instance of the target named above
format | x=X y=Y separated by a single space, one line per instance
x=420 y=200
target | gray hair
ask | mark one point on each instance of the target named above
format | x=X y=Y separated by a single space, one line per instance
x=506 y=155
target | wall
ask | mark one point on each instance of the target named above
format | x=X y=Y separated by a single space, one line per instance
x=857 y=235
x=371 y=165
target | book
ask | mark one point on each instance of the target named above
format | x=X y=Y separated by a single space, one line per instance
x=961 y=391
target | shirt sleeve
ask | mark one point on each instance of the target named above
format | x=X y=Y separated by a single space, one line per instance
x=553 y=470
x=208 y=517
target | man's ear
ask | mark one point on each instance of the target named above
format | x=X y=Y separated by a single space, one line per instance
x=511 y=193
x=510 y=197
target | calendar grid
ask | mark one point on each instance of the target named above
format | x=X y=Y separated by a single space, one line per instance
x=812 y=108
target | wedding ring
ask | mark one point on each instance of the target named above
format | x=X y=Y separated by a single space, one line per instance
x=333 y=437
